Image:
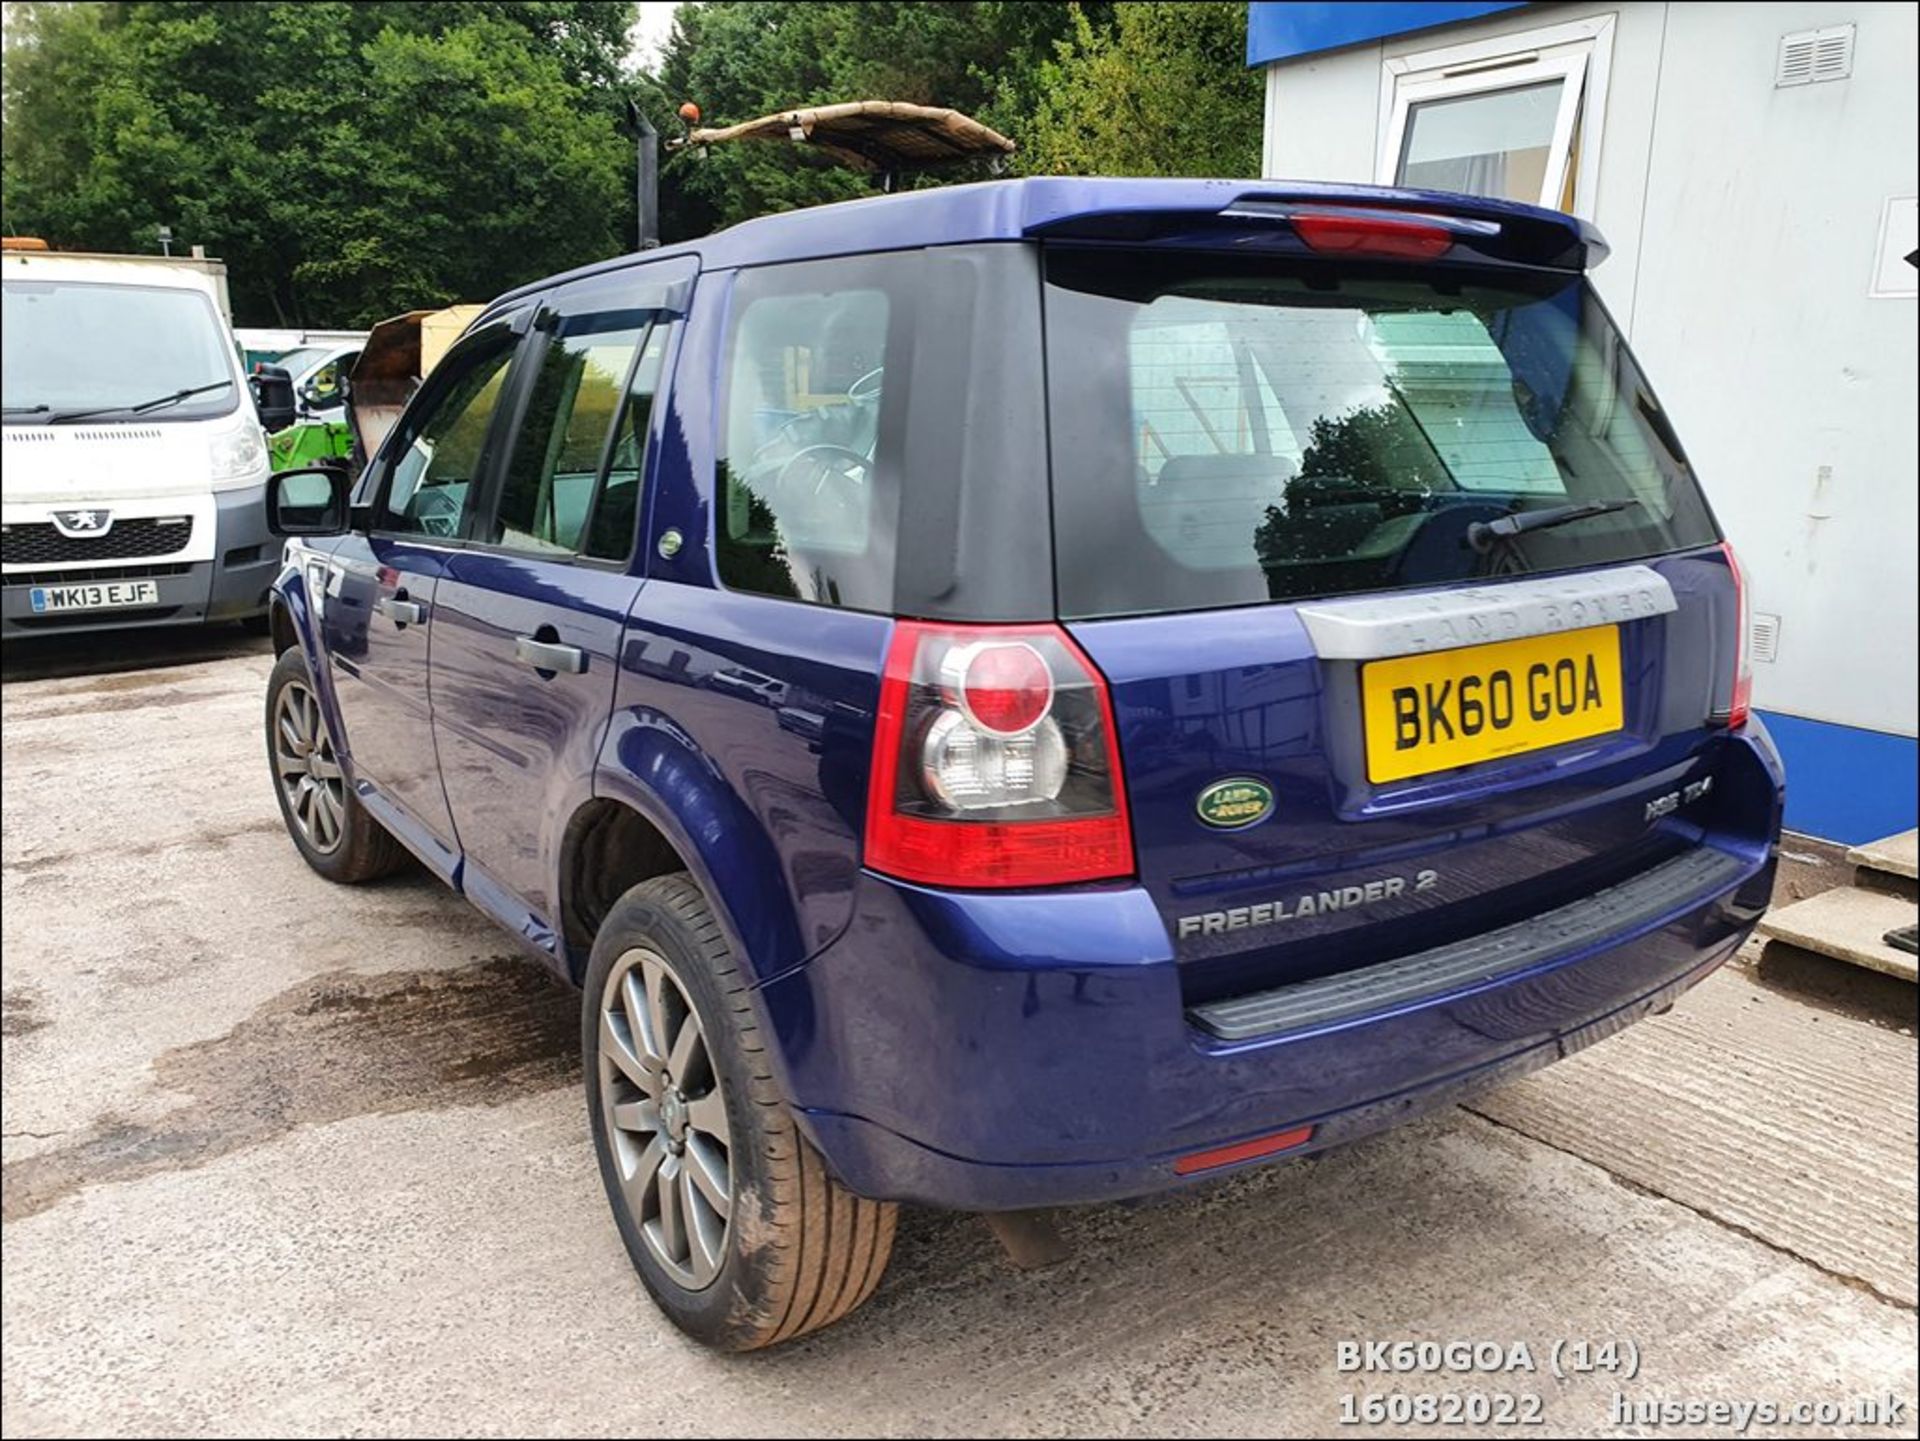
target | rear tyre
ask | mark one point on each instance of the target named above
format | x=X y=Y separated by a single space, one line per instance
x=329 y=826
x=727 y=1213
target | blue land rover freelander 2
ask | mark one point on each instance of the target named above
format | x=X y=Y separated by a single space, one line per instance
x=1035 y=693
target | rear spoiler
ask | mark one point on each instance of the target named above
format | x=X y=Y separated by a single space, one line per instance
x=1367 y=221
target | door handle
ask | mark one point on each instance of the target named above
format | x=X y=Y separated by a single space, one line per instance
x=548 y=655
x=401 y=611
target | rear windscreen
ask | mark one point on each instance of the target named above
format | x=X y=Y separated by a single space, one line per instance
x=1227 y=432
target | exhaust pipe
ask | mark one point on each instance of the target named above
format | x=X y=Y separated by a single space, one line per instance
x=646 y=176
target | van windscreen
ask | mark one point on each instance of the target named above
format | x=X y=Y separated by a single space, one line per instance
x=73 y=346
x=1228 y=431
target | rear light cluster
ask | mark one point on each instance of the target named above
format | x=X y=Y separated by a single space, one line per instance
x=994 y=761
x=1740 y=704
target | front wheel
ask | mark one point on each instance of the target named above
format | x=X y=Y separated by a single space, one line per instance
x=726 y=1211
x=329 y=826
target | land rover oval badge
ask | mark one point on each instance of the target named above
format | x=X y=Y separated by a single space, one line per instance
x=1235 y=803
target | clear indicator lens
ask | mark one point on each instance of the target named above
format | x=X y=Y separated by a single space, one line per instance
x=970 y=769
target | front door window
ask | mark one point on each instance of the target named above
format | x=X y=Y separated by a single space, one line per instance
x=433 y=477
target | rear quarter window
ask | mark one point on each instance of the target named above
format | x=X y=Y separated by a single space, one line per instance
x=881 y=440
x=808 y=492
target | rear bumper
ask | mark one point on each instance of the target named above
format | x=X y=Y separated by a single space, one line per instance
x=231 y=586
x=995 y=1052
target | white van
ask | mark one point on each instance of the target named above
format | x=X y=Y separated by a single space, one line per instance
x=133 y=486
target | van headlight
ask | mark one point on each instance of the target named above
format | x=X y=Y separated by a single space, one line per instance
x=238 y=458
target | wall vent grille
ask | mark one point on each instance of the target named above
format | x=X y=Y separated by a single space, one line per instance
x=1765 y=637
x=1808 y=57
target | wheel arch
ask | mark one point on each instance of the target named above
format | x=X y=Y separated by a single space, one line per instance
x=653 y=766
x=607 y=847
x=280 y=624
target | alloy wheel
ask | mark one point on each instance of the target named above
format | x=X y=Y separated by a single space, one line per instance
x=665 y=1118
x=307 y=769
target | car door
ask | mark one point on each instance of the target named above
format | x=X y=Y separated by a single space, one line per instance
x=529 y=614
x=378 y=614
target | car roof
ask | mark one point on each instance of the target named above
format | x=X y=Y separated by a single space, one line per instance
x=1022 y=209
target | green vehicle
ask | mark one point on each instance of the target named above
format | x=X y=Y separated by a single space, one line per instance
x=398 y=354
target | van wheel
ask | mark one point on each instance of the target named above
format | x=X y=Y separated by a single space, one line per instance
x=727 y=1212
x=329 y=826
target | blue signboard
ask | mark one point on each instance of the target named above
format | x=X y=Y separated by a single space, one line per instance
x=1282 y=29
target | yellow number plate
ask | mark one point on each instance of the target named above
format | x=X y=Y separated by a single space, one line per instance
x=1454 y=707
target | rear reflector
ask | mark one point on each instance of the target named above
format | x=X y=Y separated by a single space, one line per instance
x=1243 y=1151
x=1391 y=237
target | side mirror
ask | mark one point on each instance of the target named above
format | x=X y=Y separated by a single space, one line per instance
x=309 y=501
x=273 y=396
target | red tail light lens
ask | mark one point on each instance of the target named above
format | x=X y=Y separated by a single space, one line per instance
x=1003 y=687
x=1740 y=704
x=1390 y=237
x=995 y=762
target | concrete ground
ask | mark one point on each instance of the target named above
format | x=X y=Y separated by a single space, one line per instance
x=283 y=1158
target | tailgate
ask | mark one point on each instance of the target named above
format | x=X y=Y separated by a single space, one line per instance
x=1338 y=870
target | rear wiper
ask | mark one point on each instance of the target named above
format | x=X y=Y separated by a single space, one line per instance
x=1482 y=535
x=40 y=409
x=155 y=404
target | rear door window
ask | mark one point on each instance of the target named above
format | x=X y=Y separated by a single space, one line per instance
x=1228 y=432
x=616 y=510
x=552 y=479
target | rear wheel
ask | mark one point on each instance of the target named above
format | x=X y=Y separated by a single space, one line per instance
x=727 y=1212
x=329 y=826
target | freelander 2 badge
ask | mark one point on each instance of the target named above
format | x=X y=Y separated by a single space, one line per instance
x=1235 y=803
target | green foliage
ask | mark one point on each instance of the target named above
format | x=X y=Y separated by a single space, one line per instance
x=347 y=160
x=1375 y=448
x=1163 y=90
x=351 y=160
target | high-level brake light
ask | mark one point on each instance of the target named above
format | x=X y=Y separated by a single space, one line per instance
x=1376 y=234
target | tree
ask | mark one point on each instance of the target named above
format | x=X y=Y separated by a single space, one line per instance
x=352 y=160
x=347 y=160
x=1162 y=90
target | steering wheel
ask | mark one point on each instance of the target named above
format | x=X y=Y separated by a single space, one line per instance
x=868 y=385
x=436 y=512
x=830 y=462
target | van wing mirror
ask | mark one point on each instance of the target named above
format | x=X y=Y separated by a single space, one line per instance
x=272 y=391
x=308 y=501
